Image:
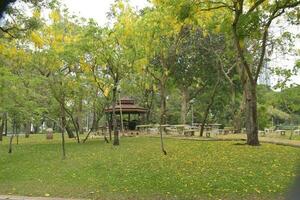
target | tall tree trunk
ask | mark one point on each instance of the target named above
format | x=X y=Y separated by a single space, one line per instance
x=10 y=144
x=149 y=97
x=2 y=125
x=63 y=127
x=12 y=136
x=76 y=126
x=163 y=107
x=95 y=121
x=5 y=119
x=64 y=122
x=109 y=125
x=163 y=117
x=27 y=129
x=212 y=98
x=54 y=126
x=251 y=113
x=63 y=143
x=17 y=131
x=239 y=117
x=114 y=120
x=184 y=100
x=68 y=129
x=78 y=118
x=36 y=128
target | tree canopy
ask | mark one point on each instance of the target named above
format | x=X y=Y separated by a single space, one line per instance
x=62 y=69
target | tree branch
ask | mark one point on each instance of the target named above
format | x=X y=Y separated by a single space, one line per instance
x=218 y=5
x=255 y=5
x=264 y=42
x=7 y=32
x=238 y=13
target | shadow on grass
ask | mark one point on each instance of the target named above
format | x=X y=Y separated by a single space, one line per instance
x=294 y=191
x=240 y=144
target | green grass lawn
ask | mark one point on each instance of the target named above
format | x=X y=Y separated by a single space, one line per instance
x=137 y=169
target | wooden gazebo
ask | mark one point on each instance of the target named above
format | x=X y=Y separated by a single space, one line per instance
x=132 y=114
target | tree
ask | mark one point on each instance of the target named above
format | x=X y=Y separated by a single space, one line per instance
x=196 y=66
x=17 y=22
x=111 y=56
x=250 y=22
x=160 y=34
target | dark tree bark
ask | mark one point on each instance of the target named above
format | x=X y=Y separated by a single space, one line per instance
x=27 y=129
x=64 y=120
x=109 y=126
x=163 y=107
x=163 y=116
x=253 y=72
x=69 y=130
x=2 y=125
x=63 y=127
x=60 y=98
x=184 y=101
x=63 y=143
x=114 y=120
x=212 y=98
x=95 y=121
x=251 y=114
x=54 y=126
x=78 y=118
x=87 y=136
x=75 y=125
x=12 y=136
x=148 y=97
x=10 y=144
x=36 y=129
x=18 y=126
x=5 y=122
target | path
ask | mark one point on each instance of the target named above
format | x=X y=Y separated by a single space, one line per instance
x=238 y=137
x=11 y=197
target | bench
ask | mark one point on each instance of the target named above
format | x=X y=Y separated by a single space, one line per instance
x=262 y=133
x=188 y=132
x=145 y=128
x=297 y=131
x=228 y=130
x=282 y=132
x=170 y=130
x=268 y=130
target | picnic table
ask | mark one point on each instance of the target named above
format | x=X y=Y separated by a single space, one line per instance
x=228 y=130
x=189 y=132
x=145 y=127
x=179 y=128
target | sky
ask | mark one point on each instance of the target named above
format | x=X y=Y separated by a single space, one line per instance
x=97 y=9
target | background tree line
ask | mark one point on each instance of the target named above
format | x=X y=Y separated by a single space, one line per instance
x=62 y=70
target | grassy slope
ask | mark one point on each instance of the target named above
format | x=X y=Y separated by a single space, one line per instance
x=137 y=169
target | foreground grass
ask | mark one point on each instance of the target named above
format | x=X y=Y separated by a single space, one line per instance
x=137 y=169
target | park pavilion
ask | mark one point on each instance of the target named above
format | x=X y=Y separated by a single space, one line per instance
x=128 y=112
